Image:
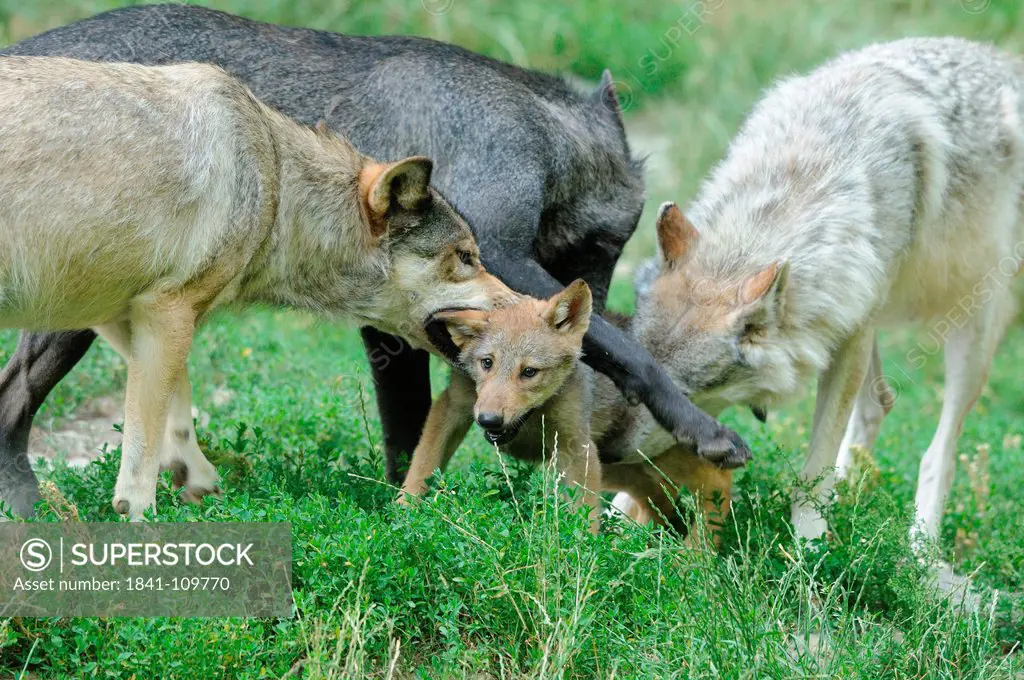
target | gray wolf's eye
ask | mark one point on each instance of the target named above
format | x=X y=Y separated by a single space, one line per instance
x=486 y=363
x=529 y=372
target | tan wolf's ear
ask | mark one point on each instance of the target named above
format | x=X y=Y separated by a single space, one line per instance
x=463 y=324
x=384 y=188
x=764 y=293
x=569 y=311
x=676 y=235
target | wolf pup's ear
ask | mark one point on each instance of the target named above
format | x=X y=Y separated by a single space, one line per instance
x=401 y=186
x=676 y=234
x=764 y=297
x=463 y=325
x=569 y=311
x=608 y=97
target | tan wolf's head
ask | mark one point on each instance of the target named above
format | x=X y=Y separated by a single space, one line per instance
x=716 y=332
x=433 y=262
x=520 y=355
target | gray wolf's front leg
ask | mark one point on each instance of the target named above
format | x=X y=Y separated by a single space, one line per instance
x=837 y=389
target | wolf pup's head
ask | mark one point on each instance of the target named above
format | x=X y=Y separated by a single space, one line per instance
x=432 y=258
x=520 y=355
x=717 y=333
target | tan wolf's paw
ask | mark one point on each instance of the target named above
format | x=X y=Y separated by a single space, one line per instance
x=132 y=502
x=195 y=482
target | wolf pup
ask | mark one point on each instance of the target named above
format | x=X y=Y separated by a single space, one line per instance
x=884 y=188
x=136 y=199
x=577 y=191
x=524 y=385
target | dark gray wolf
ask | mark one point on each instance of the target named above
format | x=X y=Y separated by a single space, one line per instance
x=884 y=188
x=543 y=175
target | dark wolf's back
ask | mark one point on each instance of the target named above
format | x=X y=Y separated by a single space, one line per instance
x=478 y=118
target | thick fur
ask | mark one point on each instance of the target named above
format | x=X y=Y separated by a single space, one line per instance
x=883 y=188
x=543 y=174
x=140 y=198
x=521 y=381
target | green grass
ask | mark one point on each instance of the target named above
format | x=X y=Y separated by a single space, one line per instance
x=491 y=575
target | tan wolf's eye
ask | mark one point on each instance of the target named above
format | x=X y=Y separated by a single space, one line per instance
x=486 y=363
x=465 y=257
x=529 y=372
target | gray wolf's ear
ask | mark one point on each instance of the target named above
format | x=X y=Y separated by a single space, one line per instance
x=384 y=188
x=608 y=97
x=764 y=294
x=676 y=235
x=463 y=324
x=569 y=311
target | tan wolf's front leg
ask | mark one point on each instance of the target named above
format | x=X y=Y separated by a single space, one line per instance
x=191 y=471
x=837 y=390
x=447 y=423
x=161 y=335
x=180 y=452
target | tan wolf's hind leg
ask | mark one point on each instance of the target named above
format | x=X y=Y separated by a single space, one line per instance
x=837 y=390
x=447 y=423
x=180 y=452
x=874 y=401
x=160 y=338
x=969 y=352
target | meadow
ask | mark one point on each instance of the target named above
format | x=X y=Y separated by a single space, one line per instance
x=493 y=575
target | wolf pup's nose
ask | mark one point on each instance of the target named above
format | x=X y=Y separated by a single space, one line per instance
x=490 y=421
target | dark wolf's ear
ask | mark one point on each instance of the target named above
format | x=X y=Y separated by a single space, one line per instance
x=608 y=97
x=676 y=235
x=463 y=324
x=764 y=296
x=385 y=189
x=569 y=311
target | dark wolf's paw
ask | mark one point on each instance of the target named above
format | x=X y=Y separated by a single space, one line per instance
x=726 y=449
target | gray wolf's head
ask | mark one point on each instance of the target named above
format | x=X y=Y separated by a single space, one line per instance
x=520 y=355
x=716 y=332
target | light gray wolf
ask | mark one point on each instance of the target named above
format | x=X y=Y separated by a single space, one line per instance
x=521 y=380
x=882 y=189
x=137 y=199
x=542 y=173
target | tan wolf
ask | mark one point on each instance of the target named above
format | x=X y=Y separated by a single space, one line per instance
x=137 y=199
x=523 y=382
x=883 y=188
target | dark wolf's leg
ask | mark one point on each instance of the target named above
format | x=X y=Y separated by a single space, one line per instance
x=633 y=369
x=401 y=376
x=38 y=364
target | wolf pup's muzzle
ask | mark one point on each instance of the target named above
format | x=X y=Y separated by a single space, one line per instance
x=504 y=435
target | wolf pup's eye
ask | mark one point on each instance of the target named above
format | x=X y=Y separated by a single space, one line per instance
x=529 y=372
x=465 y=257
x=486 y=363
